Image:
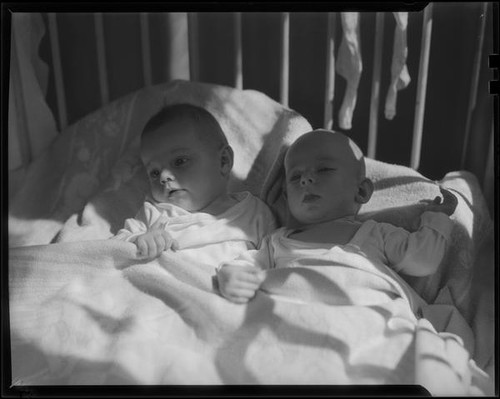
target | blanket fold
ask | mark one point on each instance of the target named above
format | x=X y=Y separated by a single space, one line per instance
x=86 y=310
x=90 y=313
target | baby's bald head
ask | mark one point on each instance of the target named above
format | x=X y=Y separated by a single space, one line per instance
x=332 y=143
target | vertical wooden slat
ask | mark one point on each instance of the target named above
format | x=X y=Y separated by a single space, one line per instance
x=284 y=57
x=238 y=57
x=177 y=49
x=58 y=72
x=423 y=70
x=474 y=83
x=330 y=72
x=375 y=95
x=194 y=63
x=101 y=58
x=146 y=49
x=489 y=173
x=20 y=123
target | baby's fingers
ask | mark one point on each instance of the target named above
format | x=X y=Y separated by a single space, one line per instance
x=161 y=244
x=174 y=246
x=448 y=196
x=142 y=246
x=145 y=247
x=159 y=224
x=239 y=300
x=240 y=295
x=170 y=243
x=450 y=201
x=253 y=276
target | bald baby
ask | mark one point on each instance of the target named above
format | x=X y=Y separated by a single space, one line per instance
x=325 y=177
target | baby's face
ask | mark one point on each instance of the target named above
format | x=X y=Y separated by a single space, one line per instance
x=322 y=176
x=183 y=170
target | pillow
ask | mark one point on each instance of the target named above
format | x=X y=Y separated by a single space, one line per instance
x=90 y=179
x=399 y=192
x=398 y=199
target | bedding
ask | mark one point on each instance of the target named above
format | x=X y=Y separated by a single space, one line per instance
x=89 y=312
x=84 y=310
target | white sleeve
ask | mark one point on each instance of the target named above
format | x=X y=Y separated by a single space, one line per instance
x=261 y=258
x=266 y=222
x=421 y=252
x=134 y=227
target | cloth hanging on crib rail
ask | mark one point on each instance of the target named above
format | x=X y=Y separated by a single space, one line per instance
x=400 y=78
x=31 y=123
x=349 y=65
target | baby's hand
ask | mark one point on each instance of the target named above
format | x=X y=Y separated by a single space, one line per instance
x=239 y=283
x=447 y=206
x=156 y=240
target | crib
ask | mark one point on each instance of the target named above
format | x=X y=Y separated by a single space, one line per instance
x=82 y=82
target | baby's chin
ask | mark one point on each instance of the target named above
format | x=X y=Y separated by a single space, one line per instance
x=181 y=203
x=312 y=218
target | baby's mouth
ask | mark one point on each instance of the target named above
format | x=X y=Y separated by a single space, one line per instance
x=174 y=191
x=308 y=198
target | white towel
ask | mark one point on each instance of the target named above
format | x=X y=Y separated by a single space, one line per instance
x=400 y=77
x=349 y=65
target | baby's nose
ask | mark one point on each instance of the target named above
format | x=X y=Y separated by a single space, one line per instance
x=166 y=177
x=306 y=179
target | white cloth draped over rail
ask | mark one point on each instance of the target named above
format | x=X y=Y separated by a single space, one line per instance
x=349 y=65
x=31 y=123
x=400 y=78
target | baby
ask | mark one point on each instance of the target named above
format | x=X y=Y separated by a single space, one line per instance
x=188 y=160
x=325 y=188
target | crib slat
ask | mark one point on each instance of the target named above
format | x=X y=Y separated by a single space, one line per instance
x=423 y=70
x=194 y=63
x=146 y=49
x=330 y=72
x=20 y=124
x=488 y=181
x=474 y=83
x=101 y=58
x=58 y=72
x=284 y=57
x=375 y=95
x=177 y=50
x=238 y=60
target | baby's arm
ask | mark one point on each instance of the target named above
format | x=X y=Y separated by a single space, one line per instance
x=447 y=205
x=239 y=279
x=421 y=252
x=147 y=232
x=155 y=240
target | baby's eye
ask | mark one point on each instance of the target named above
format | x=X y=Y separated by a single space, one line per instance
x=325 y=169
x=295 y=177
x=154 y=174
x=181 y=161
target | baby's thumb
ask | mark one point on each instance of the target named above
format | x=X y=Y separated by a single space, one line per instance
x=174 y=246
x=261 y=275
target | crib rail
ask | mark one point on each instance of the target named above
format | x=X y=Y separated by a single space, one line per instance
x=331 y=43
x=423 y=71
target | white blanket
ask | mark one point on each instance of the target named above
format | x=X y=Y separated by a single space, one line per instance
x=85 y=311
x=90 y=313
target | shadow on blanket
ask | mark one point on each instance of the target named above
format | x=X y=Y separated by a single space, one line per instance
x=36 y=365
x=236 y=346
x=90 y=180
x=73 y=304
x=234 y=338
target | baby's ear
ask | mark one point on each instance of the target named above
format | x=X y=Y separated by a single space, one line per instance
x=365 y=191
x=226 y=160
